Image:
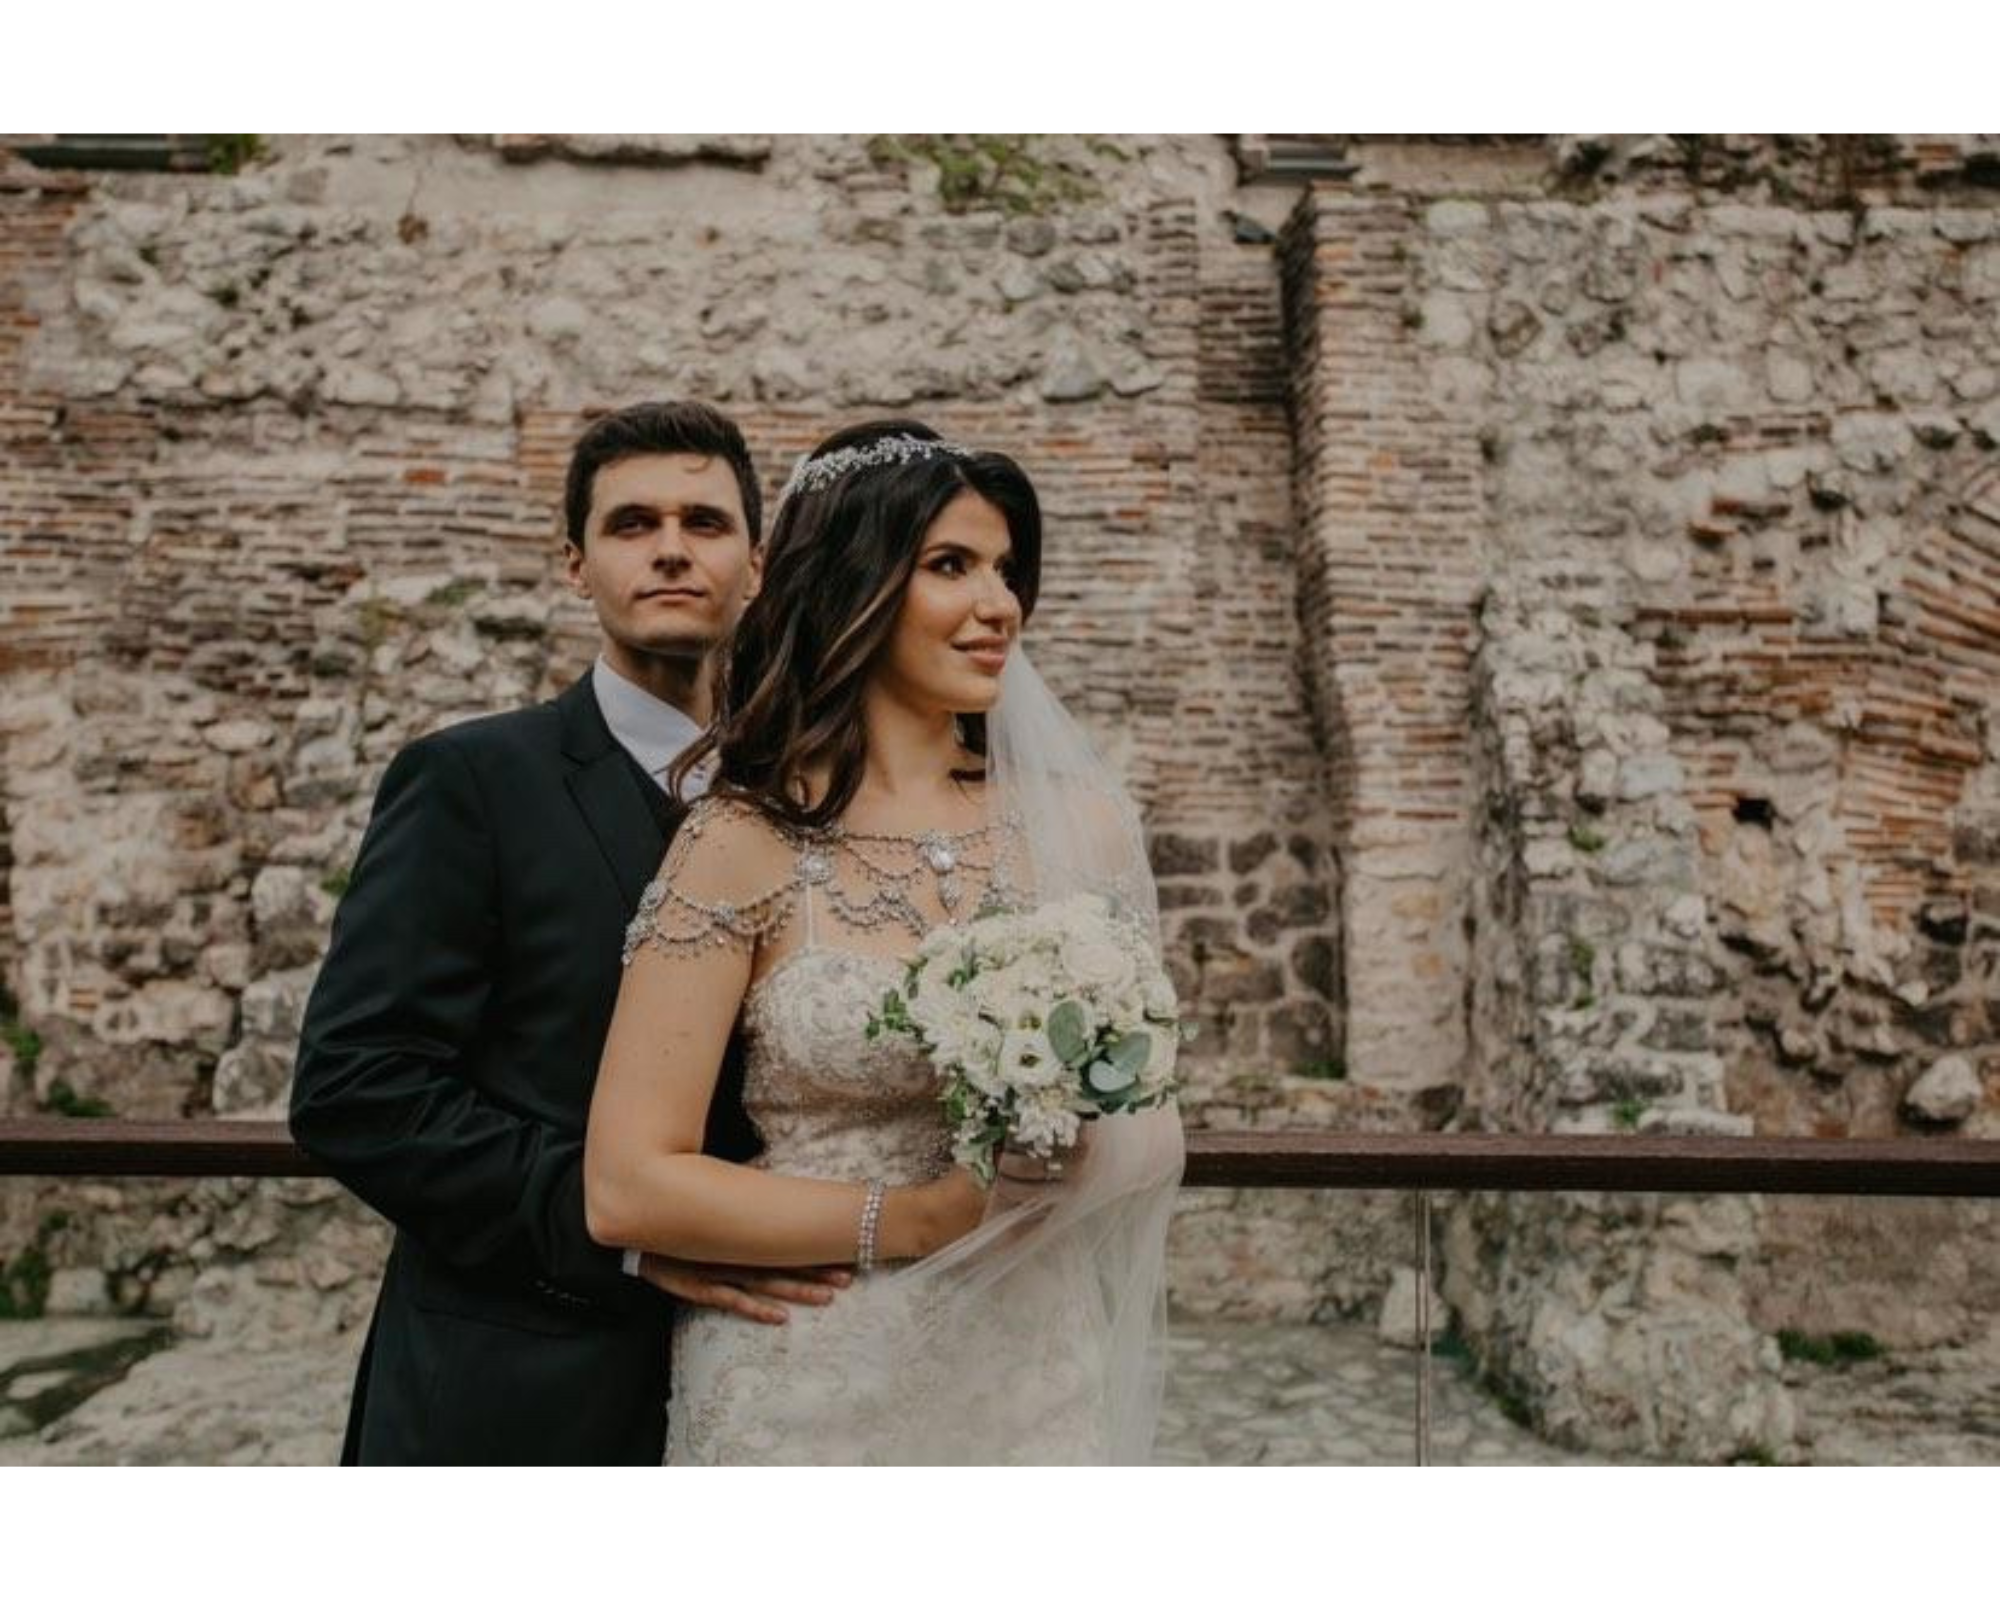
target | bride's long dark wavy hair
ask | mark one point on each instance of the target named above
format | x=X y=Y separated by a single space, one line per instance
x=788 y=691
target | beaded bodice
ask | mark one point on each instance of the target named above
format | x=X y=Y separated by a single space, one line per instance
x=832 y=919
x=826 y=1101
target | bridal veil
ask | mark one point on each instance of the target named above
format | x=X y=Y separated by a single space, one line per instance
x=1041 y=1335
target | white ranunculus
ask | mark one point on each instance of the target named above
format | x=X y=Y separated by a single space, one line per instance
x=1029 y=1061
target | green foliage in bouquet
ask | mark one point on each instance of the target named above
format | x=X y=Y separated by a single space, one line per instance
x=1039 y=1070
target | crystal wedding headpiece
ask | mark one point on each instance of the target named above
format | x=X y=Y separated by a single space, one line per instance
x=817 y=472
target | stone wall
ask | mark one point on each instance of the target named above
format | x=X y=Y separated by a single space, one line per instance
x=1721 y=617
x=283 y=452
x=1545 y=593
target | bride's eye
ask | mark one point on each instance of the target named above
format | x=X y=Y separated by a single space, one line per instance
x=951 y=563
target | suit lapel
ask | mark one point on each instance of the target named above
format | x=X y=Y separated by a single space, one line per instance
x=601 y=783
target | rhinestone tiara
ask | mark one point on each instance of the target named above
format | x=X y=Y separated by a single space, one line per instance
x=817 y=472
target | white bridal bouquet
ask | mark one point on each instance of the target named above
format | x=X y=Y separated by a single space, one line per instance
x=1037 y=1022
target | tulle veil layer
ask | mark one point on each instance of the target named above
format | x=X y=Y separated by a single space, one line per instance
x=1041 y=1335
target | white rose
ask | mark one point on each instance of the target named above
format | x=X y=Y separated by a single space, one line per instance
x=944 y=947
x=937 y=1005
x=994 y=997
x=1100 y=964
x=1125 y=1011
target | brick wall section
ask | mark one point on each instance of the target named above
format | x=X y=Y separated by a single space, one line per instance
x=1391 y=518
x=1910 y=696
x=38 y=607
x=1736 y=676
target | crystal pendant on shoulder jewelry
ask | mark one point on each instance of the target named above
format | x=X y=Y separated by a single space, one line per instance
x=815 y=867
x=937 y=853
x=939 y=856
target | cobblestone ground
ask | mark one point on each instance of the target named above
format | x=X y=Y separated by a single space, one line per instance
x=1324 y=1395
x=106 y=1391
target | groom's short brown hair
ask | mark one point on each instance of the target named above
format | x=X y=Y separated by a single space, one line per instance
x=658 y=428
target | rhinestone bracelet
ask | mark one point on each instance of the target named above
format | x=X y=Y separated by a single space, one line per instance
x=871 y=1219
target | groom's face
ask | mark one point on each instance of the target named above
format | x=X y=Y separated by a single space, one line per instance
x=666 y=560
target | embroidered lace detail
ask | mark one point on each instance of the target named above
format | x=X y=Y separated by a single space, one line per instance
x=829 y=1104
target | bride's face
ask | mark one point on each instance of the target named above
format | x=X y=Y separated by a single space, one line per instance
x=959 y=617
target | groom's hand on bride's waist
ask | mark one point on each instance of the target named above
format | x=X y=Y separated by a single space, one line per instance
x=754 y=1293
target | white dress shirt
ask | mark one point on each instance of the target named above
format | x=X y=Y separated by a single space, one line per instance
x=655 y=733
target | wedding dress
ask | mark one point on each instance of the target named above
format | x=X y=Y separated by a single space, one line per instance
x=1039 y=1338
x=815 y=1389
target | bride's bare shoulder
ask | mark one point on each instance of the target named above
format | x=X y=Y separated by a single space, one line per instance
x=730 y=845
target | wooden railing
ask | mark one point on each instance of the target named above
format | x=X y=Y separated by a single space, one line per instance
x=1422 y=1162
x=70 y=1147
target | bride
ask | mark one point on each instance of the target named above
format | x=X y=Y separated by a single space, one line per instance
x=884 y=760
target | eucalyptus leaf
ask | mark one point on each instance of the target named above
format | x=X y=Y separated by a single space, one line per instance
x=1132 y=1051
x=1068 y=1033
x=1107 y=1076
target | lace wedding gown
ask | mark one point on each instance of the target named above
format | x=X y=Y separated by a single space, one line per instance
x=814 y=1389
x=975 y=1363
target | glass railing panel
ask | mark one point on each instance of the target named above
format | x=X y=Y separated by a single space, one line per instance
x=211 y=1320
x=1809 y=1329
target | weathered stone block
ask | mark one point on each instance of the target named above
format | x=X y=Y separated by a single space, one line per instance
x=1314 y=965
x=1247 y=855
x=1946 y=1092
x=1298 y=1033
x=1178 y=855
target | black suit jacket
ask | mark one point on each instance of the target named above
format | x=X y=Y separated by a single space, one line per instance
x=444 y=1076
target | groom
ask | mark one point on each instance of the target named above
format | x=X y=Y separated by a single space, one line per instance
x=448 y=1051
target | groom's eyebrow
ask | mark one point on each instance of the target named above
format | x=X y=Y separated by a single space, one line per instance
x=651 y=512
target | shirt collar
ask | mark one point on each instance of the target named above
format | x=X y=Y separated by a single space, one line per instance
x=653 y=731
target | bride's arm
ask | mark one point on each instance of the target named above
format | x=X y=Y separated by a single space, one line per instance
x=646 y=1183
